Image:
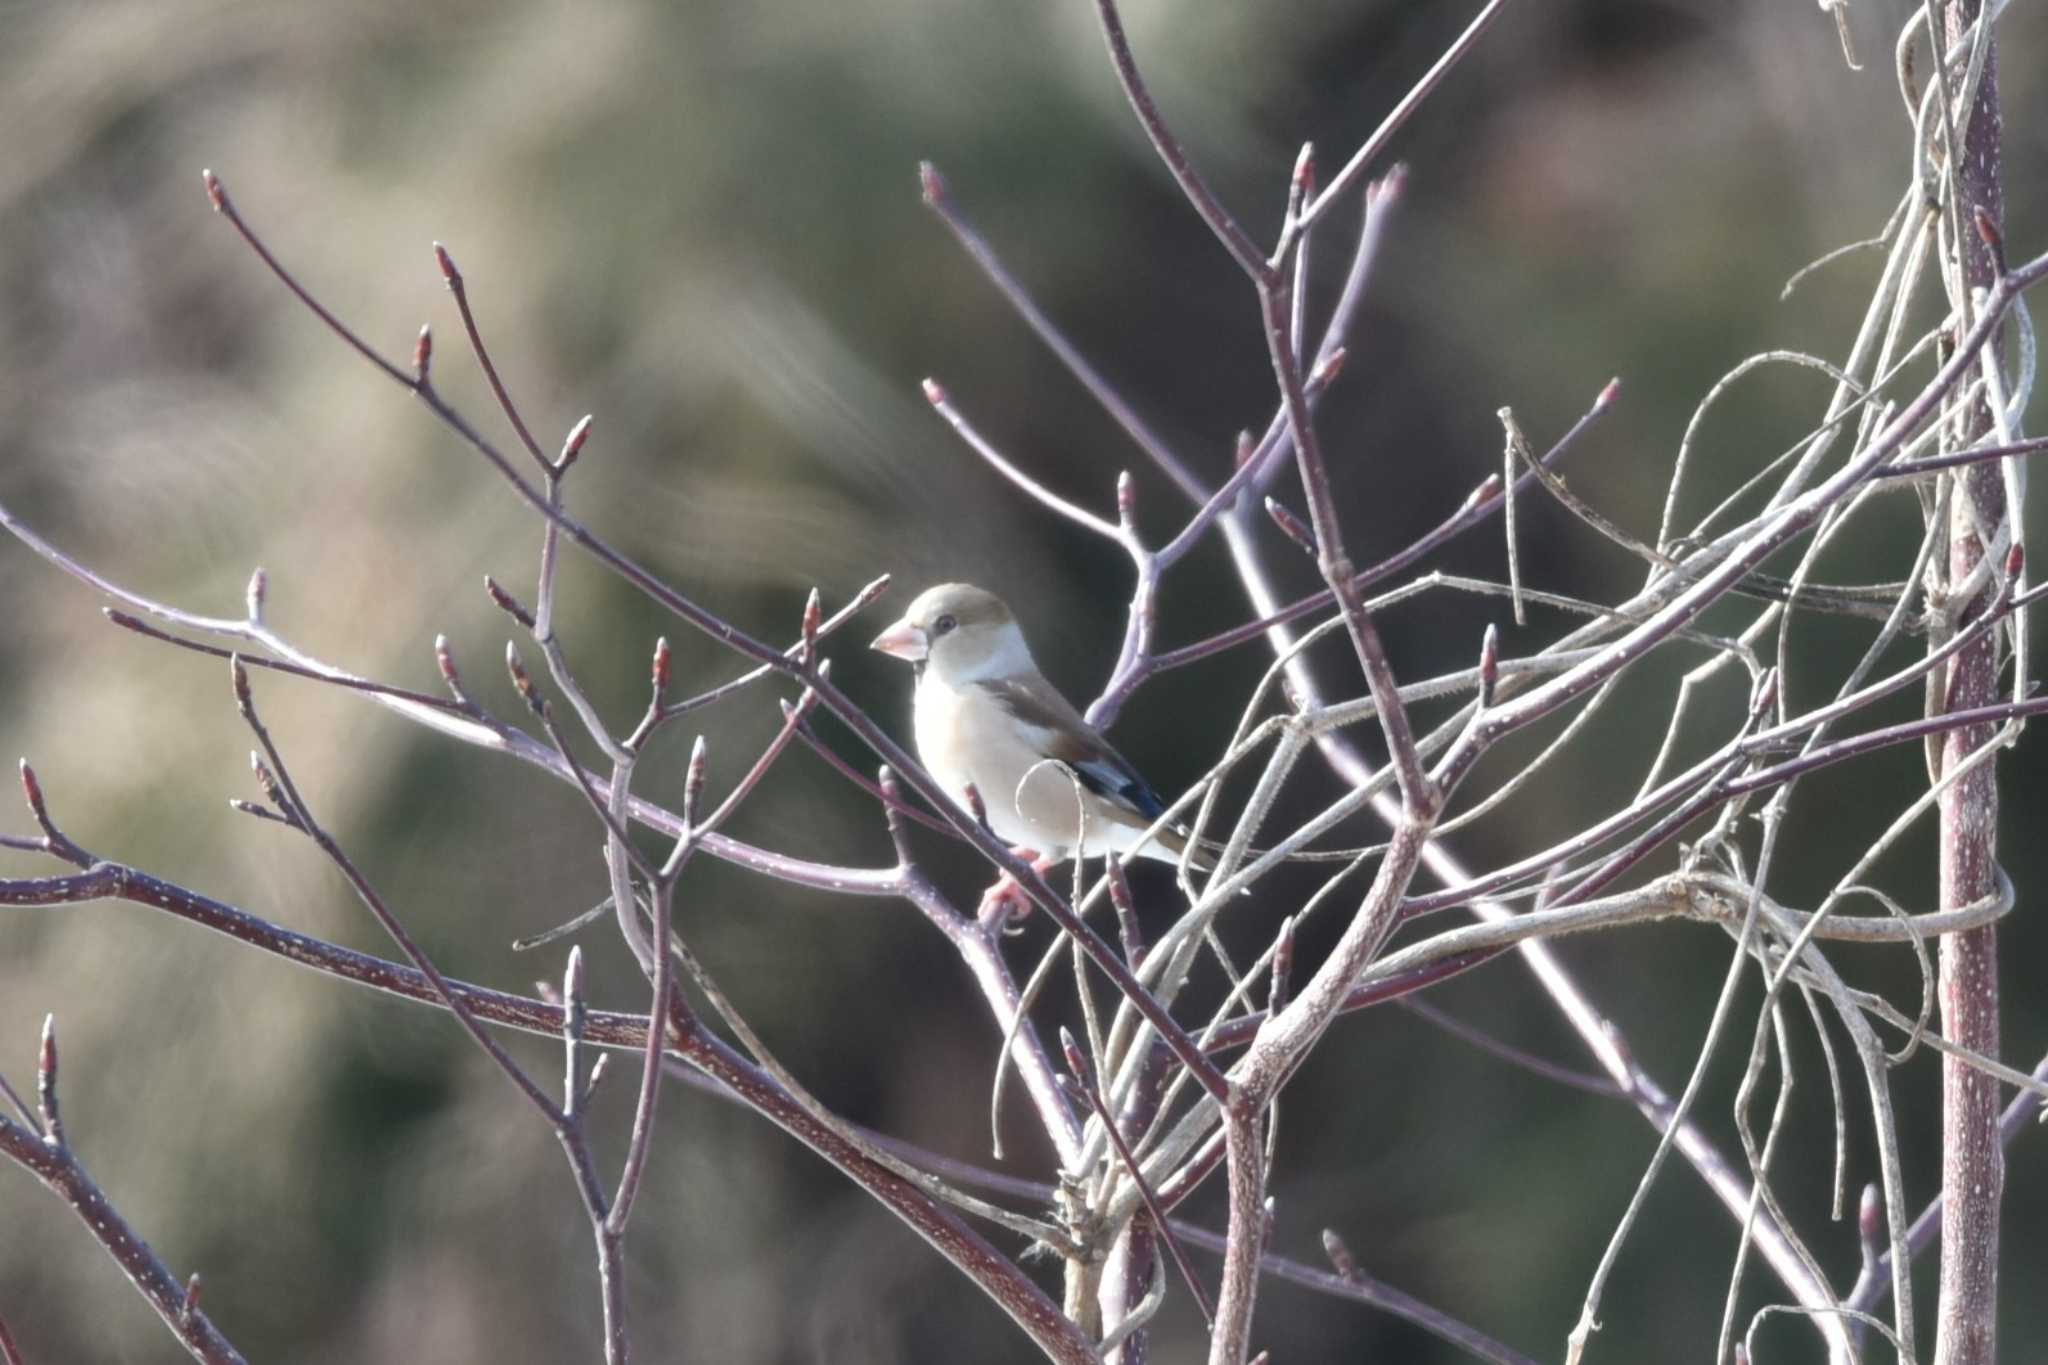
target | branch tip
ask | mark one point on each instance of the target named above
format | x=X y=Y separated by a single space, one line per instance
x=1245 y=446
x=1077 y=1061
x=1608 y=395
x=1489 y=664
x=32 y=791
x=449 y=273
x=252 y=596
x=1327 y=369
x=507 y=603
x=934 y=393
x=522 y=680
x=2015 y=561
x=423 y=355
x=662 y=668
x=1304 y=179
x=46 y=1083
x=693 y=781
x=189 y=1304
x=814 y=614
x=1126 y=497
x=931 y=184
x=1283 y=966
x=1870 y=1216
x=572 y=445
x=1291 y=525
x=1993 y=239
x=1341 y=1259
x=572 y=976
x=215 y=194
x=869 y=593
x=238 y=678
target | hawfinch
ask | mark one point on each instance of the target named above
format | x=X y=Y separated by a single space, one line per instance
x=987 y=716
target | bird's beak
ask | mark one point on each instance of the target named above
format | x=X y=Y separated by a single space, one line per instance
x=903 y=640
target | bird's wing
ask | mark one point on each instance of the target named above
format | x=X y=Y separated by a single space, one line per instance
x=1068 y=737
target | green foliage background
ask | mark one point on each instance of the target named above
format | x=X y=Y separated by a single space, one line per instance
x=701 y=223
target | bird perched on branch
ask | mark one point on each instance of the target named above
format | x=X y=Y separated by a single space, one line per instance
x=1049 y=782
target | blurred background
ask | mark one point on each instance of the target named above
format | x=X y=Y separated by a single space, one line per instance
x=701 y=223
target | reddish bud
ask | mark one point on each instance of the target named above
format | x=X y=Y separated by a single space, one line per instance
x=1608 y=395
x=2015 y=560
x=1489 y=664
x=238 y=678
x=1283 y=966
x=423 y=355
x=266 y=779
x=663 y=666
x=1126 y=496
x=252 y=596
x=1077 y=1061
x=1488 y=489
x=1245 y=447
x=521 y=679
x=444 y=660
x=1390 y=186
x=814 y=614
x=975 y=806
x=1291 y=525
x=572 y=444
x=507 y=603
x=1305 y=169
x=1870 y=1216
x=934 y=393
x=1327 y=369
x=871 y=592
x=1127 y=924
x=885 y=778
x=214 y=193
x=1766 y=692
x=447 y=264
x=1987 y=228
x=189 y=1304
x=32 y=790
x=931 y=184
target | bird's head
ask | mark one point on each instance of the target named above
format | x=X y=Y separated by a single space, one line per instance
x=961 y=633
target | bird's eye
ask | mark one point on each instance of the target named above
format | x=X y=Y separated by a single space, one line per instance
x=944 y=624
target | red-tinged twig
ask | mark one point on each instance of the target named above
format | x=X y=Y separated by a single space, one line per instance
x=943 y=404
x=892 y=802
x=9 y=1352
x=45 y=1154
x=1233 y=236
x=940 y=200
x=1587 y=1081
x=54 y=841
x=1372 y=148
x=296 y=808
x=1081 y=1081
x=483 y=357
x=461 y=705
x=860 y=601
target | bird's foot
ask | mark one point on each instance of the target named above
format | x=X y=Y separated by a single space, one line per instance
x=1006 y=903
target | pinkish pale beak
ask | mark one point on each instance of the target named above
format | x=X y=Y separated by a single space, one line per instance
x=903 y=640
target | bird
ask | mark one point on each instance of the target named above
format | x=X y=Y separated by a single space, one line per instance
x=1049 y=784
